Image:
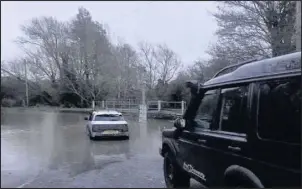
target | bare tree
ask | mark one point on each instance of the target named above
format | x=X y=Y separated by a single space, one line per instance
x=203 y=70
x=197 y=71
x=149 y=63
x=37 y=85
x=13 y=68
x=167 y=62
x=248 y=30
x=91 y=58
x=255 y=28
x=127 y=65
x=76 y=58
x=44 y=42
x=44 y=38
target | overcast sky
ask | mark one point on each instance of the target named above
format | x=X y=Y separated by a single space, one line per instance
x=186 y=27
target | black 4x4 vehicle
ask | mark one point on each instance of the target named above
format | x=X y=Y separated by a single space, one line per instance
x=242 y=128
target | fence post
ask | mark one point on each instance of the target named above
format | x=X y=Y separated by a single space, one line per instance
x=158 y=105
x=182 y=107
x=103 y=104
x=93 y=104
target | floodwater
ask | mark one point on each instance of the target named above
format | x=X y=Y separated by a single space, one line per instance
x=51 y=149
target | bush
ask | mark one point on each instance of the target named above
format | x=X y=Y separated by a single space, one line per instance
x=8 y=102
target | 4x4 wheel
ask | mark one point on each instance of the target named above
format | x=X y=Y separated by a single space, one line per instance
x=175 y=177
x=239 y=183
x=240 y=180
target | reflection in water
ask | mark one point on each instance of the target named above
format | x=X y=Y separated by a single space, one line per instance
x=32 y=141
x=111 y=147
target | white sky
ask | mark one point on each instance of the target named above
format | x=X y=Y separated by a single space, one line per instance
x=186 y=27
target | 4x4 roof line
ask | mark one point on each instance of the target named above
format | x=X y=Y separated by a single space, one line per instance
x=236 y=65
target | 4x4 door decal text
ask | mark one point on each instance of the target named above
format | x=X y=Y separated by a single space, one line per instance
x=190 y=169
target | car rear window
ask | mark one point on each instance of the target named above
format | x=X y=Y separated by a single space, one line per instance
x=108 y=117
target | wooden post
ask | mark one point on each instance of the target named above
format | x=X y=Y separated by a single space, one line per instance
x=26 y=85
x=158 y=105
x=182 y=107
x=142 y=113
x=143 y=95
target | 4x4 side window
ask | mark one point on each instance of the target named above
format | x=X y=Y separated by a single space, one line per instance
x=233 y=109
x=279 y=110
x=206 y=110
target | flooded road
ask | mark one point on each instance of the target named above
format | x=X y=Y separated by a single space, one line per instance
x=50 y=149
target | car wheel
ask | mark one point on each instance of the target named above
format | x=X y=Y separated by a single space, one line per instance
x=175 y=177
x=91 y=137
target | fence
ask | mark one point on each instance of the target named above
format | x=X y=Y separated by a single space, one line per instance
x=131 y=105
x=172 y=106
x=117 y=104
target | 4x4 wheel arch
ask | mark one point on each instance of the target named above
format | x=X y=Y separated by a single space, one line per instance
x=168 y=146
x=247 y=177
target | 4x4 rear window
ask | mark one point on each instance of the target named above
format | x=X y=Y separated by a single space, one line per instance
x=279 y=110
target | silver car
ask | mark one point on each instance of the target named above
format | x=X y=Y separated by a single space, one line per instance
x=106 y=123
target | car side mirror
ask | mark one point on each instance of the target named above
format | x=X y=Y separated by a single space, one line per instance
x=180 y=123
x=86 y=118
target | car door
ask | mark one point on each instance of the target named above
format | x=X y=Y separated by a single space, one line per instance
x=228 y=138
x=193 y=141
x=278 y=139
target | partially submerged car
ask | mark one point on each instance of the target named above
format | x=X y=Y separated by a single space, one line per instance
x=106 y=123
x=242 y=128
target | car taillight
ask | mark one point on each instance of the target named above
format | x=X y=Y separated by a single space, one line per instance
x=95 y=128
x=125 y=127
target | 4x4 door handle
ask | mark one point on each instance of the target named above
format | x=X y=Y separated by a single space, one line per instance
x=202 y=140
x=234 y=148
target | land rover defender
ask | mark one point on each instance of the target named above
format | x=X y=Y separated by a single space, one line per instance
x=242 y=128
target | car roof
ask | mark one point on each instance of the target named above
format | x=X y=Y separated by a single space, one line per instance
x=103 y=112
x=290 y=63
